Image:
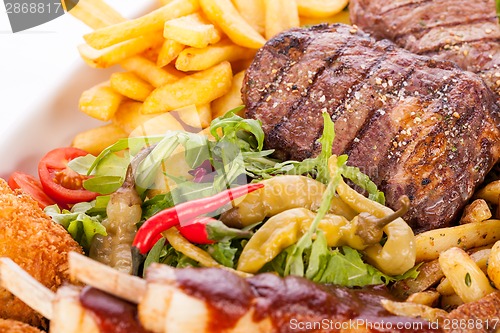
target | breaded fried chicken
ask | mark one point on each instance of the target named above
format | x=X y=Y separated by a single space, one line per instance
x=14 y=326
x=37 y=244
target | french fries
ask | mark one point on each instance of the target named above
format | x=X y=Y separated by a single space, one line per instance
x=100 y=102
x=196 y=59
x=287 y=18
x=192 y=30
x=96 y=14
x=320 y=8
x=96 y=139
x=199 y=88
x=232 y=23
x=253 y=12
x=196 y=116
x=114 y=54
x=230 y=100
x=130 y=85
x=147 y=24
x=148 y=71
x=170 y=49
x=467 y=236
x=466 y=278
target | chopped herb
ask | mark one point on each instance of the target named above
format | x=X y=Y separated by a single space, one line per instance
x=468 y=280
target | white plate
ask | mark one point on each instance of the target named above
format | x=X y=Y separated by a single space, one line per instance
x=41 y=79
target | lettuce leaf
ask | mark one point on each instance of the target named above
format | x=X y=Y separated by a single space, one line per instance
x=77 y=221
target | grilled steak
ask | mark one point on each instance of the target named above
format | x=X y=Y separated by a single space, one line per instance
x=466 y=32
x=415 y=125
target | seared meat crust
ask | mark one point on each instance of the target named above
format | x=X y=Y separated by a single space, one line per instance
x=37 y=244
x=485 y=314
x=415 y=125
x=465 y=32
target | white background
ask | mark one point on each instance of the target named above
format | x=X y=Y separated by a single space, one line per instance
x=39 y=66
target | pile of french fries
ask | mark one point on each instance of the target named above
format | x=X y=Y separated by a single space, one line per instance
x=181 y=64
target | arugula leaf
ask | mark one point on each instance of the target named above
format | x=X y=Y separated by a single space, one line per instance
x=156 y=204
x=295 y=262
x=363 y=181
x=81 y=227
x=154 y=254
x=223 y=253
x=218 y=231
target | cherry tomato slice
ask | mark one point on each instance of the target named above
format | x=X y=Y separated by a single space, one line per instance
x=31 y=186
x=59 y=181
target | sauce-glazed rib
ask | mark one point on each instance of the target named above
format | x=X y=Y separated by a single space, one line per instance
x=415 y=125
x=465 y=32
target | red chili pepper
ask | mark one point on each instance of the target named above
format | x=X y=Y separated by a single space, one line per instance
x=196 y=232
x=184 y=214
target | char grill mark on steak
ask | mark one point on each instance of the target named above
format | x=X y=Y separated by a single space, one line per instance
x=297 y=129
x=415 y=125
x=465 y=32
x=290 y=50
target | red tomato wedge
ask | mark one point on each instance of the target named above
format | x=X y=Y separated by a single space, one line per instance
x=31 y=186
x=59 y=181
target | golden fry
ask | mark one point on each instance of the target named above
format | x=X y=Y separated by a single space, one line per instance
x=168 y=52
x=321 y=8
x=131 y=86
x=196 y=116
x=96 y=13
x=466 y=278
x=253 y=12
x=280 y=15
x=224 y=14
x=199 y=88
x=195 y=59
x=467 y=236
x=149 y=23
x=117 y=53
x=100 y=102
x=342 y=17
x=231 y=99
x=149 y=72
x=97 y=139
x=192 y=30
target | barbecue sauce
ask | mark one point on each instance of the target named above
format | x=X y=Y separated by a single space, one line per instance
x=229 y=297
x=112 y=314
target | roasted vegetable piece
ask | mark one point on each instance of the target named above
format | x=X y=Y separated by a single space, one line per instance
x=398 y=253
x=279 y=194
x=124 y=212
x=286 y=228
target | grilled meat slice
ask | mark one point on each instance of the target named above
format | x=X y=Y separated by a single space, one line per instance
x=466 y=32
x=415 y=125
x=484 y=313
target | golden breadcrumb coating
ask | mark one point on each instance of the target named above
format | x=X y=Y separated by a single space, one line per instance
x=14 y=326
x=40 y=246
